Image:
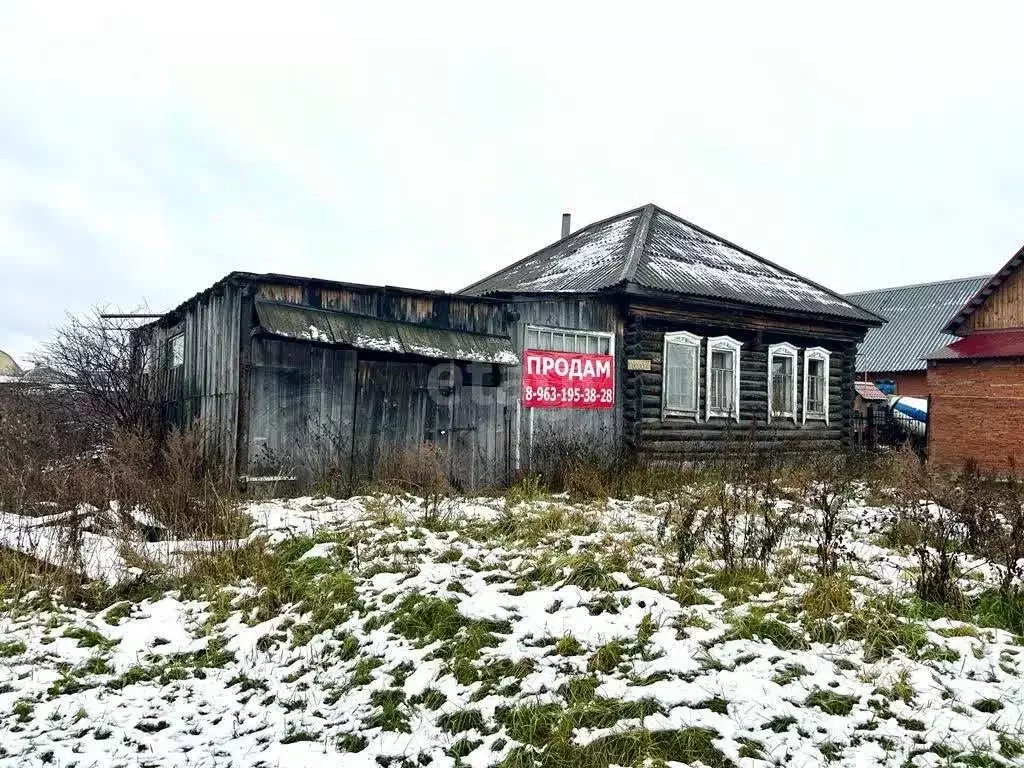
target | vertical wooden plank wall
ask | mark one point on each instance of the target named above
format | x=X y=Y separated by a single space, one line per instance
x=597 y=429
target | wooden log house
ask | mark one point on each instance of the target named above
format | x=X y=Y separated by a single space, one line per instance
x=703 y=340
x=712 y=342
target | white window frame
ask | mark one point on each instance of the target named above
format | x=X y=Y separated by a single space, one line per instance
x=576 y=333
x=723 y=344
x=681 y=339
x=173 y=359
x=784 y=349
x=817 y=353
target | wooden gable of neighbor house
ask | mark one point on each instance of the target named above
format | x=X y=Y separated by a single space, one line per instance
x=998 y=305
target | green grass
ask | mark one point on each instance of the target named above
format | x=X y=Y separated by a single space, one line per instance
x=88 y=638
x=11 y=648
x=22 y=709
x=759 y=625
x=461 y=721
x=607 y=657
x=831 y=703
x=567 y=645
x=789 y=673
x=882 y=627
x=688 y=595
x=392 y=713
x=828 y=597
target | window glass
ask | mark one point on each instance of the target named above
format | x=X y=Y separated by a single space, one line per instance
x=721 y=381
x=177 y=350
x=816 y=386
x=592 y=342
x=782 y=384
x=680 y=376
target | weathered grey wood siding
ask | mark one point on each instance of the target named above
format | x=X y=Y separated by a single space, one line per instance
x=314 y=409
x=317 y=411
x=435 y=310
x=301 y=408
x=654 y=435
x=596 y=429
x=204 y=389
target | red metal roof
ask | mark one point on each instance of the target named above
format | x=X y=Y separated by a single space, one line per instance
x=869 y=391
x=982 y=345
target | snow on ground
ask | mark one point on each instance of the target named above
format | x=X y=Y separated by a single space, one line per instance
x=378 y=633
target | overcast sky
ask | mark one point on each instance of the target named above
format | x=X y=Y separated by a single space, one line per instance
x=145 y=153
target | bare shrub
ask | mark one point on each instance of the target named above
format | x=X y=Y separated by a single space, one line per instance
x=686 y=518
x=1004 y=547
x=98 y=370
x=831 y=485
x=424 y=472
x=941 y=507
x=747 y=518
x=579 y=464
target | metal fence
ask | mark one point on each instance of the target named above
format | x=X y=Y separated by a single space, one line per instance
x=880 y=428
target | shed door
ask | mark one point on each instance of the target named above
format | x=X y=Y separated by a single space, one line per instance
x=480 y=435
x=416 y=422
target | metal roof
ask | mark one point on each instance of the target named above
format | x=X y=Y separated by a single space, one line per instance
x=990 y=286
x=869 y=390
x=983 y=345
x=293 y=321
x=652 y=248
x=916 y=315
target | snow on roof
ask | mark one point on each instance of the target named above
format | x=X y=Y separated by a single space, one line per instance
x=655 y=249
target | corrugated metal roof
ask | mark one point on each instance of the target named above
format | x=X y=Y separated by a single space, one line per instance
x=916 y=315
x=294 y=321
x=652 y=248
x=589 y=259
x=982 y=345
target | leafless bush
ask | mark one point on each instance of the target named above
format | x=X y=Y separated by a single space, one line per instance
x=831 y=485
x=98 y=371
x=579 y=464
x=686 y=517
x=1005 y=547
x=748 y=520
x=941 y=507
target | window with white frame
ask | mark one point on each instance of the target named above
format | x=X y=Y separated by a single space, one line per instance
x=816 y=362
x=680 y=372
x=562 y=340
x=722 y=385
x=177 y=350
x=782 y=381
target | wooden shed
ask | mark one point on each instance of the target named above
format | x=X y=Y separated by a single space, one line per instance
x=305 y=378
x=708 y=341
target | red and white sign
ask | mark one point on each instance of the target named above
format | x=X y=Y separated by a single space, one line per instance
x=568 y=380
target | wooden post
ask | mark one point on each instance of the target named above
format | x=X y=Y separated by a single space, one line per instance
x=928 y=426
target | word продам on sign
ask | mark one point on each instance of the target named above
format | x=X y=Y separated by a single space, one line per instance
x=568 y=380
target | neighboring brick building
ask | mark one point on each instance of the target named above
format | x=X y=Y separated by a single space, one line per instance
x=977 y=382
x=915 y=315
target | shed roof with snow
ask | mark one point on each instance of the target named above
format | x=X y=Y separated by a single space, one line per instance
x=651 y=248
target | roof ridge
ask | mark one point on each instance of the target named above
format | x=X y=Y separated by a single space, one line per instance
x=920 y=285
x=538 y=252
x=637 y=246
x=981 y=295
x=770 y=263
